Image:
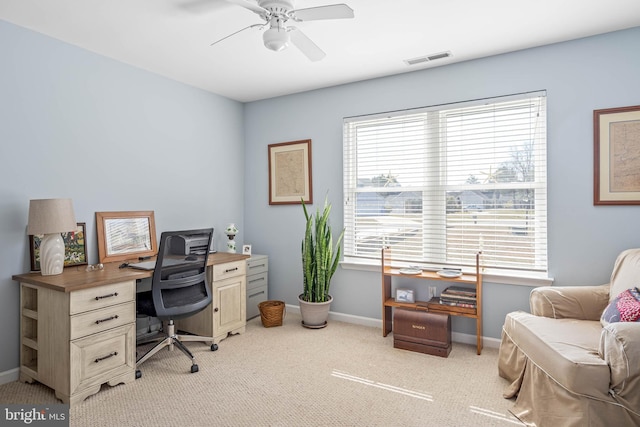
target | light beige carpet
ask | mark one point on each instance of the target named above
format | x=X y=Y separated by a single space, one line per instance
x=342 y=375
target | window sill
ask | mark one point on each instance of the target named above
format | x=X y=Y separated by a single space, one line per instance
x=506 y=277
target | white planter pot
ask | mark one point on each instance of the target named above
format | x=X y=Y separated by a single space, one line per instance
x=314 y=314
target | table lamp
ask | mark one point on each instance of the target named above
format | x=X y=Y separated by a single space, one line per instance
x=231 y=232
x=51 y=217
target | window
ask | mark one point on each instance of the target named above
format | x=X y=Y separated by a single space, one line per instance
x=438 y=184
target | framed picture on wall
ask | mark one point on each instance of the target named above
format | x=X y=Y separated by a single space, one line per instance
x=290 y=173
x=75 y=247
x=616 y=136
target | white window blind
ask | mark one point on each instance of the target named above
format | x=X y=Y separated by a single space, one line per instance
x=438 y=184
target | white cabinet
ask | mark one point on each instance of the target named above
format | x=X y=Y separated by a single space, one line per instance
x=226 y=315
x=257 y=283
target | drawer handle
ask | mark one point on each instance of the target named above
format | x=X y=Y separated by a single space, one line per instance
x=231 y=269
x=115 y=294
x=259 y=279
x=257 y=266
x=99 y=359
x=256 y=294
x=106 y=320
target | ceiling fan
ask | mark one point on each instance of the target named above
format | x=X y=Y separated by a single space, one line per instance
x=276 y=14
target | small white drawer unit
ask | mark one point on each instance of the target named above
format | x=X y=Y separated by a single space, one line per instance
x=257 y=283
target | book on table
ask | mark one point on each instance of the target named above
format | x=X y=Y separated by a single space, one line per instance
x=458 y=296
x=460 y=291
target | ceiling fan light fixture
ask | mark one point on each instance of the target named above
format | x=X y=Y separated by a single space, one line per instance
x=276 y=39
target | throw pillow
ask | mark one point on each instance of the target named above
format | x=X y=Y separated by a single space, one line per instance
x=624 y=308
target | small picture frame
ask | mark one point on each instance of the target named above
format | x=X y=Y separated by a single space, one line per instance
x=246 y=249
x=75 y=247
x=405 y=295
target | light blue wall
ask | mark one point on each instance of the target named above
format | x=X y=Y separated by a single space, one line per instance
x=579 y=77
x=111 y=137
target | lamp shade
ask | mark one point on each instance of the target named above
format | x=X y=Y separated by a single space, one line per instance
x=47 y=216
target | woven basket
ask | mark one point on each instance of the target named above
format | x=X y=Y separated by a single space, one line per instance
x=271 y=313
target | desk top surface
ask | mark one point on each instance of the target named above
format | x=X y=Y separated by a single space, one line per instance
x=76 y=278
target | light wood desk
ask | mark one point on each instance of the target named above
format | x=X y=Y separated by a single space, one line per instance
x=78 y=328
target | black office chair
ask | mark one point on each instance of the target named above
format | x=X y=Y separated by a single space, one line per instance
x=180 y=288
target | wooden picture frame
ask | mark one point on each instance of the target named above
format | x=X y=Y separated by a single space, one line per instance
x=616 y=135
x=290 y=173
x=75 y=247
x=126 y=235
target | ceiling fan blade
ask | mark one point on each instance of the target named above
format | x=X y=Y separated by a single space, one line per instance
x=306 y=46
x=332 y=11
x=239 y=31
x=251 y=6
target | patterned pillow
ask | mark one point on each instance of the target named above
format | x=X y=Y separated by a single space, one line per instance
x=624 y=308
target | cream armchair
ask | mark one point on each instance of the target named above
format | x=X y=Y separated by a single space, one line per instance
x=564 y=367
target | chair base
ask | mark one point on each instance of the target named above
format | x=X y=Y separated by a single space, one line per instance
x=172 y=339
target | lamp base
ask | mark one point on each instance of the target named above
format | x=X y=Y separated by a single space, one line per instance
x=51 y=254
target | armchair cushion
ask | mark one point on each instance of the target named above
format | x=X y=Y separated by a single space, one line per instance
x=566 y=349
x=624 y=308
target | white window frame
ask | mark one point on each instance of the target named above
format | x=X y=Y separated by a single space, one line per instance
x=438 y=257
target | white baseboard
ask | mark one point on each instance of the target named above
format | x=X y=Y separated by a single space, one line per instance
x=9 y=376
x=377 y=323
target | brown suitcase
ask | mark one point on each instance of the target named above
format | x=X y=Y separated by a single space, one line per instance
x=422 y=331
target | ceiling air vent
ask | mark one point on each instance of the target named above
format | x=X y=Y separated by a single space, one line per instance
x=427 y=58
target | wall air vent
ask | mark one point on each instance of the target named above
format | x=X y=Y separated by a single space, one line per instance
x=427 y=58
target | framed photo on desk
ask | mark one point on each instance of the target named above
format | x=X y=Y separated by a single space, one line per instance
x=126 y=235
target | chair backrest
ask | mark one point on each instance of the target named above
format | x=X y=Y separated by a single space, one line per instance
x=626 y=272
x=180 y=284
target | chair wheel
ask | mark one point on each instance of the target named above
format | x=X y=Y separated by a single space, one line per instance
x=194 y=369
x=138 y=373
x=214 y=347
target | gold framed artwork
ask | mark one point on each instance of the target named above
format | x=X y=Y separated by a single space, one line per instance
x=126 y=235
x=616 y=133
x=75 y=247
x=290 y=173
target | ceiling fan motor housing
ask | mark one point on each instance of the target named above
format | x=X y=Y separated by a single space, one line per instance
x=277 y=7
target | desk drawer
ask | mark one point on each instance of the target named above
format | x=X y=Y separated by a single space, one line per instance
x=101 y=296
x=229 y=269
x=255 y=297
x=257 y=280
x=100 y=357
x=257 y=264
x=96 y=321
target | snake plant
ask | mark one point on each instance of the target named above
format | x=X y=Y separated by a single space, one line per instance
x=319 y=256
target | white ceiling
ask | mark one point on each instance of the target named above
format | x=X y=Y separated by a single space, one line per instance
x=172 y=37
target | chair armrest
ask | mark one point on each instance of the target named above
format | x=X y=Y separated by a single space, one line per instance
x=574 y=302
x=620 y=348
